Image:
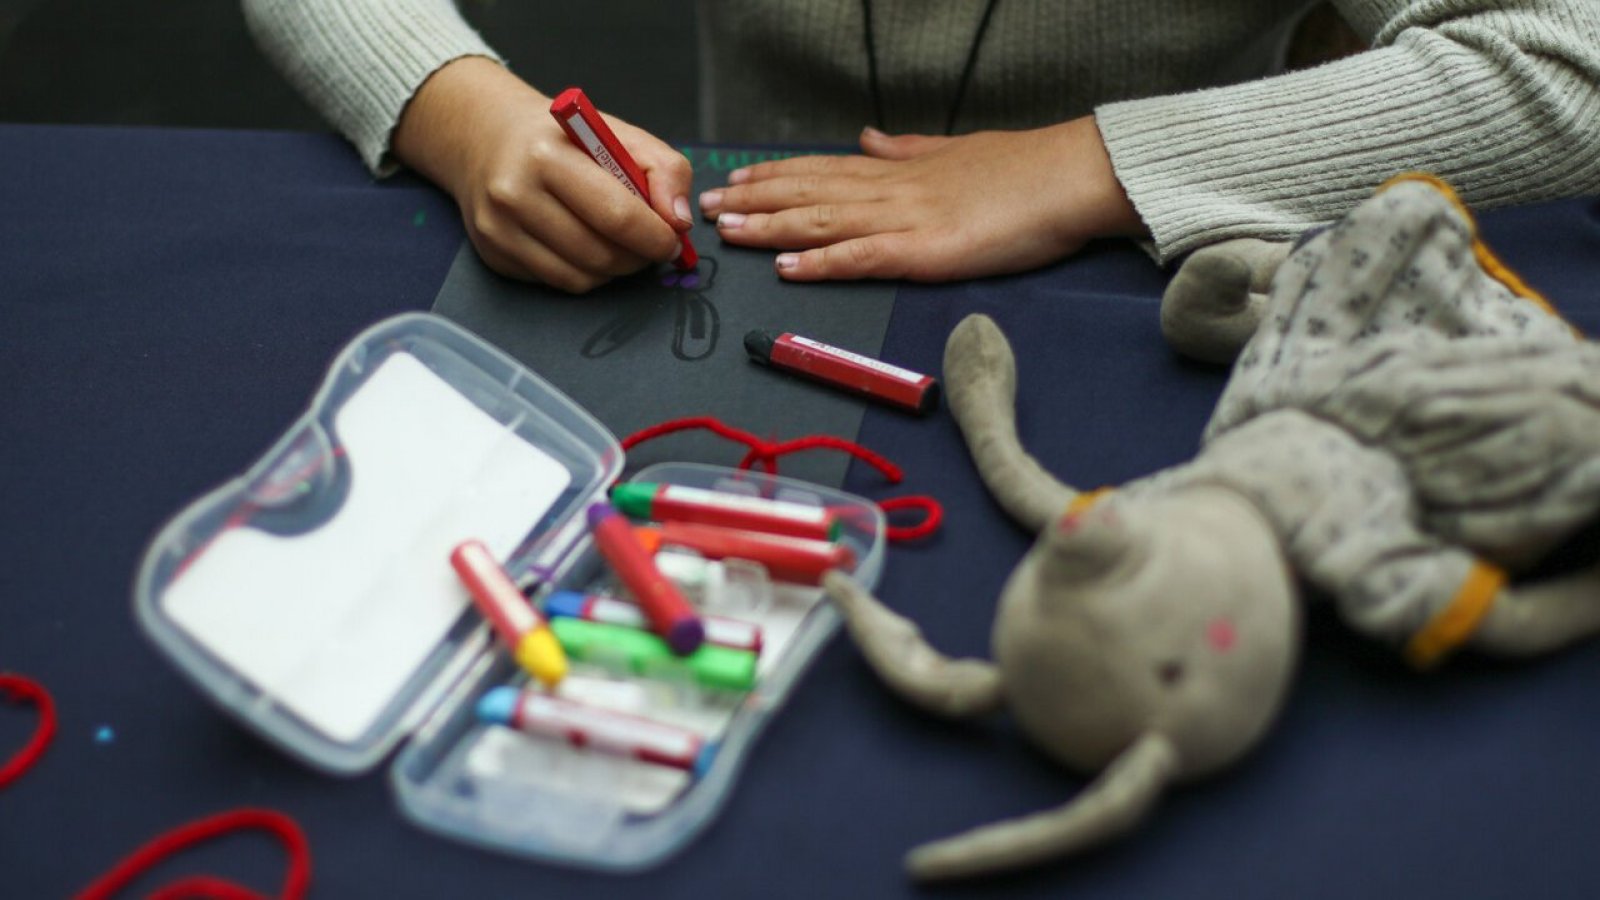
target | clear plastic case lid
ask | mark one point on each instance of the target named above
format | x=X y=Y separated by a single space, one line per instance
x=311 y=596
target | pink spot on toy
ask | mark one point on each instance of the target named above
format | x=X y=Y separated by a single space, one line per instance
x=1222 y=635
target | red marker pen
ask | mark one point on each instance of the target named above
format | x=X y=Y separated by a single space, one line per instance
x=735 y=633
x=584 y=127
x=670 y=615
x=842 y=369
x=678 y=503
x=786 y=559
x=513 y=618
x=537 y=713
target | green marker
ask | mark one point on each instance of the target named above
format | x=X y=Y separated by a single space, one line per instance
x=677 y=503
x=712 y=665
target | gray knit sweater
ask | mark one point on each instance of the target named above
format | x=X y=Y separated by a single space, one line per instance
x=1499 y=97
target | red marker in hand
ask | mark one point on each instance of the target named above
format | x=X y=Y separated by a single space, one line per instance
x=584 y=127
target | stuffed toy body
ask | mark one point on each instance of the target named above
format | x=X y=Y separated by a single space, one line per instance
x=1407 y=426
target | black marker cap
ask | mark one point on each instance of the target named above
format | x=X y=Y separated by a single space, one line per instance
x=759 y=345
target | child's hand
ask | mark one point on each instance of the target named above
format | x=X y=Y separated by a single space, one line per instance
x=929 y=208
x=536 y=206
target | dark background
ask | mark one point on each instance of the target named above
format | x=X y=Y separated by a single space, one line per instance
x=192 y=63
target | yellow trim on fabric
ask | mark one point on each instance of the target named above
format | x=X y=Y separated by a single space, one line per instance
x=1453 y=625
x=1085 y=500
x=1490 y=263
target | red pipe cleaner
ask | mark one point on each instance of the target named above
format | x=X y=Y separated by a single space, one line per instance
x=766 y=453
x=19 y=690
x=285 y=829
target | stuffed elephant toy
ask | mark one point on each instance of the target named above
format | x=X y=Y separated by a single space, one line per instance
x=1406 y=430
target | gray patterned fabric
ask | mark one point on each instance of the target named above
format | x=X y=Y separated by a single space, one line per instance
x=1401 y=413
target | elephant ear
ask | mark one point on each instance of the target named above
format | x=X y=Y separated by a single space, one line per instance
x=981 y=385
x=1110 y=806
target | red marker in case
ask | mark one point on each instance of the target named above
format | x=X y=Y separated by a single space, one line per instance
x=842 y=369
x=786 y=559
x=584 y=127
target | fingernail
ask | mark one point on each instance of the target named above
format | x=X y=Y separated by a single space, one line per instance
x=680 y=208
x=738 y=176
x=730 y=221
x=710 y=202
x=786 y=261
x=869 y=131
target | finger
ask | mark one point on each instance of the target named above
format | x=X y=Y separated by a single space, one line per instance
x=605 y=206
x=878 y=145
x=806 y=227
x=875 y=256
x=794 y=192
x=670 y=177
x=820 y=164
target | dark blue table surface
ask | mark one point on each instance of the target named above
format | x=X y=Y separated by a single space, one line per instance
x=170 y=299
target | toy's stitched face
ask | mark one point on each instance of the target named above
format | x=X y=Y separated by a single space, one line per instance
x=1171 y=614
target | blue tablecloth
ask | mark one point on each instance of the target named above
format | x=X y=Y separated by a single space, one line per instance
x=168 y=301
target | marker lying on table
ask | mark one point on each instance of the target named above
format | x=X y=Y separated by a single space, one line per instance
x=669 y=613
x=847 y=371
x=538 y=713
x=676 y=503
x=584 y=127
x=786 y=559
x=514 y=619
x=642 y=653
x=593 y=608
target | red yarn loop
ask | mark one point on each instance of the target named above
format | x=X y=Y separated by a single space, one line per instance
x=761 y=451
x=932 y=516
x=19 y=690
x=280 y=826
x=766 y=453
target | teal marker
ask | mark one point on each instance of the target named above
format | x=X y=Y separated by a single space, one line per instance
x=712 y=666
x=678 y=503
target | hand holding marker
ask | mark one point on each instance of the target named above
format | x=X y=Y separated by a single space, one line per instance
x=584 y=127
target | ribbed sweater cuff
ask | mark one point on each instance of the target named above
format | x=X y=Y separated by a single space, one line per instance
x=360 y=64
x=1271 y=158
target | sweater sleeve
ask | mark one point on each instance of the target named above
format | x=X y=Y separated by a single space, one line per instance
x=1502 y=103
x=358 y=62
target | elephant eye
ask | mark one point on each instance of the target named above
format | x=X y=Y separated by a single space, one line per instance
x=1171 y=673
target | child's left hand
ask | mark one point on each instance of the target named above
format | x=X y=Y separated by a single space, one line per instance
x=929 y=208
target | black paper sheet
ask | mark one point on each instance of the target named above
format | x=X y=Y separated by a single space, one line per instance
x=666 y=344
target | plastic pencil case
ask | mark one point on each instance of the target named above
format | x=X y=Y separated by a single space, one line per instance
x=313 y=600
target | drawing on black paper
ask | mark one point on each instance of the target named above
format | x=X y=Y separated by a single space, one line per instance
x=696 y=326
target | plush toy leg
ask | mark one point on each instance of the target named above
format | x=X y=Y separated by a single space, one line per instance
x=1113 y=804
x=1215 y=302
x=896 y=650
x=1543 y=616
x=981 y=383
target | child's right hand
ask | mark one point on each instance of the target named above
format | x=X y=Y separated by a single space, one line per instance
x=535 y=206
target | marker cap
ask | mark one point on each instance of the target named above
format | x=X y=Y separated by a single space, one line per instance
x=498 y=706
x=541 y=655
x=565 y=603
x=634 y=499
